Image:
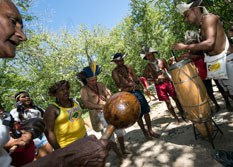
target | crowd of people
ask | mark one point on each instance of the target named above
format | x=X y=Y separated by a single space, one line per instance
x=31 y=136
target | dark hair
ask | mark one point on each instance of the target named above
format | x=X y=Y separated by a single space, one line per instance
x=17 y=95
x=82 y=77
x=53 y=89
x=35 y=126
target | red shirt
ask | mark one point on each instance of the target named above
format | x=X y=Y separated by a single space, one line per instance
x=23 y=155
x=201 y=67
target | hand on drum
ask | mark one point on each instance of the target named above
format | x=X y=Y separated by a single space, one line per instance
x=183 y=56
x=179 y=46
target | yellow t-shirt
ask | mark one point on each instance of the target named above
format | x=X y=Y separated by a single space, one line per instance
x=69 y=125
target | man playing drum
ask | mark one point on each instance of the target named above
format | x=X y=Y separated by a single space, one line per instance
x=192 y=37
x=214 y=41
x=156 y=71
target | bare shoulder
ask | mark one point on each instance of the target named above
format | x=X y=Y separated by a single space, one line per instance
x=51 y=109
x=83 y=88
x=128 y=66
x=115 y=73
x=114 y=70
x=209 y=19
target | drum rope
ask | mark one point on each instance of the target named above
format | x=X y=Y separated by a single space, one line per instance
x=198 y=88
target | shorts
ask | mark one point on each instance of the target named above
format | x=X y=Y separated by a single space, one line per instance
x=118 y=132
x=227 y=84
x=145 y=108
x=40 y=141
x=208 y=86
x=165 y=90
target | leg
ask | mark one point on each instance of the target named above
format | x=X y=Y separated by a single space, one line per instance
x=171 y=110
x=178 y=105
x=140 y=123
x=217 y=107
x=113 y=145
x=210 y=92
x=44 y=150
x=122 y=145
x=225 y=95
x=148 y=123
x=171 y=91
x=147 y=92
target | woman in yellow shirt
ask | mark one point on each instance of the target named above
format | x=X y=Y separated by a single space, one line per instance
x=63 y=119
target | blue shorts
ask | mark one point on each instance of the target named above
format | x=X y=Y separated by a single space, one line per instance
x=40 y=141
x=145 y=108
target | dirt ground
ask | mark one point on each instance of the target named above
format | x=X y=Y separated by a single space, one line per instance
x=177 y=146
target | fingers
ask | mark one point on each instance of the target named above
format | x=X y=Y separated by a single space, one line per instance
x=105 y=143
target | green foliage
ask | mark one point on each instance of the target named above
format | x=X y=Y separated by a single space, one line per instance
x=49 y=57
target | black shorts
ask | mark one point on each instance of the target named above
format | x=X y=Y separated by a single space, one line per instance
x=145 y=108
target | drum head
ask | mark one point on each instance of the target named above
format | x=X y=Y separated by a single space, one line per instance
x=179 y=64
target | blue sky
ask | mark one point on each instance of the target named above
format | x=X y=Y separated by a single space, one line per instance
x=57 y=14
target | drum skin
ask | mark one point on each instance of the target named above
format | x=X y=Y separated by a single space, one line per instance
x=192 y=95
x=122 y=110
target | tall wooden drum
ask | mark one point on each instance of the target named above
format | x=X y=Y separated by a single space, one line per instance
x=192 y=95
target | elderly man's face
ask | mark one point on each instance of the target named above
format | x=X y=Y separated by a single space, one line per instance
x=11 y=33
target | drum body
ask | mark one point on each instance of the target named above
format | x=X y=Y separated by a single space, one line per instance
x=192 y=95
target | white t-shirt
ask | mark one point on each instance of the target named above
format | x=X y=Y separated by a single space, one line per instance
x=30 y=113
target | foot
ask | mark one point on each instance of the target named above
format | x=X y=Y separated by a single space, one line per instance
x=125 y=153
x=177 y=122
x=154 y=135
x=146 y=135
x=183 y=117
x=120 y=160
x=217 y=108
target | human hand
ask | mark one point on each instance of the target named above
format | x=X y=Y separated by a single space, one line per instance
x=183 y=56
x=179 y=46
x=12 y=144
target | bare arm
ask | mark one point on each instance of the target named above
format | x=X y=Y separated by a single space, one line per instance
x=209 y=31
x=14 y=142
x=149 y=76
x=116 y=79
x=87 y=102
x=189 y=55
x=106 y=91
x=50 y=116
x=135 y=77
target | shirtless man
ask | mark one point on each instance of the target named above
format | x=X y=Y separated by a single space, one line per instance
x=94 y=96
x=156 y=72
x=213 y=38
x=126 y=80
